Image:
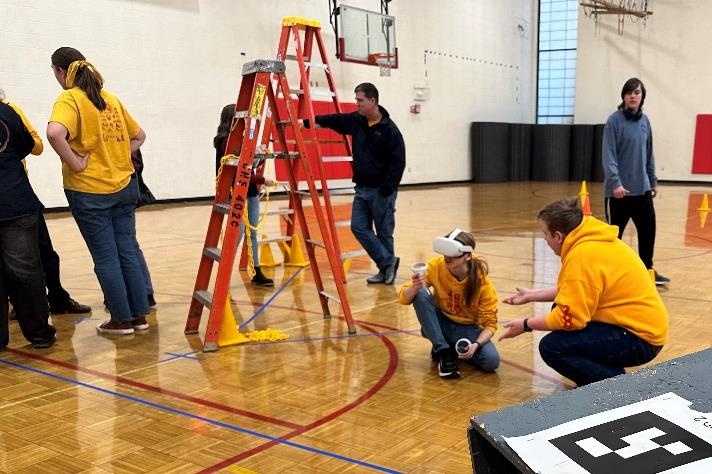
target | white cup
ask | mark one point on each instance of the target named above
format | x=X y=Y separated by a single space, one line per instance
x=420 y=268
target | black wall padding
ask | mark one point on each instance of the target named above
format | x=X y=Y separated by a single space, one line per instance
x=520 y=151
x=490 y=152
x=551 y=146
x=580 y=162
x=596 y=166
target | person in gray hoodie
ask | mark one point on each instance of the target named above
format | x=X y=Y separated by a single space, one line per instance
x=630 y=183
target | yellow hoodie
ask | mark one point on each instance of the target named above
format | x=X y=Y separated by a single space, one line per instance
x=449 y=295
x=602 y=279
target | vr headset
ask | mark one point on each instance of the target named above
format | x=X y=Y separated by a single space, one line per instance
x=450 y=247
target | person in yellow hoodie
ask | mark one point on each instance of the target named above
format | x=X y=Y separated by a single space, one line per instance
x=59 y=300
x=607 y=315
x=94 y=136
x=454 y=299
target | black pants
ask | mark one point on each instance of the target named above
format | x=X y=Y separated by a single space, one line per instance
x=56 y=295
x=21 y=279
x=642 y=211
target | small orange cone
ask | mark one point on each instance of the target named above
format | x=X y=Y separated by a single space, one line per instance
x=582 y=193
x=704 y=204
x=266 y=256
x=347 y=265
x=586 y=207
x=703 y=218
x=229 y=333
x=296 y=254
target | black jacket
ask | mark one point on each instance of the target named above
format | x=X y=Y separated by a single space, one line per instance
x=379 y=150
x=17 y=199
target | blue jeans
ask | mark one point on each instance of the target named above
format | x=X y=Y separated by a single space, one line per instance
x=371 y=210
x=22 y=279
x=144 y=269
x=594 y=353
x=444 y=332
x=108 y=224
x=253 y=215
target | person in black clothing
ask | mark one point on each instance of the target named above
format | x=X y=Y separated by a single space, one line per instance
x=59 y=300
x=378 y=164
x=21 y=276
x=253 y=200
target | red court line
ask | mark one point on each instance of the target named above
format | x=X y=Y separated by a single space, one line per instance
x=392 y=366
x=159 y=390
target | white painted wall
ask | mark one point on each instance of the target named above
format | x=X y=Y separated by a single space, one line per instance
x=670 y=56
x=176 y=63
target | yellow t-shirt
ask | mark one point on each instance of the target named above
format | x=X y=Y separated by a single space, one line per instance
x=37 y=149
x=104 y=134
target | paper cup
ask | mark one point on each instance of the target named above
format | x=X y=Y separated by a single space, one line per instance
x=420 y=268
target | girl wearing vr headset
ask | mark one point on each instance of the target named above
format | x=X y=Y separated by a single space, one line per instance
x=461 y=304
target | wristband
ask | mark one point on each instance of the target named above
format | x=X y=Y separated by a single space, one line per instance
x=525 y=325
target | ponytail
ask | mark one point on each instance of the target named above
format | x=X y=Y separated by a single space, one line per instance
x=80 y=73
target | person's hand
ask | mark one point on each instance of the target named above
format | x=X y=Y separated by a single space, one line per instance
x=513 y=329
x=82 y=161
x=418 y=280
x=654 y=191
x=474 y=347
x=520 y=297
x=621 y=192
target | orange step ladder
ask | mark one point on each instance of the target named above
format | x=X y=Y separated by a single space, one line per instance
x=263 y=84
x=308 y=51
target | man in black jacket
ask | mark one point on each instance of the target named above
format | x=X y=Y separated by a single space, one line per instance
x=378 y=164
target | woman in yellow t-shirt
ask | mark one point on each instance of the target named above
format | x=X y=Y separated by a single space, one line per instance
x=94 y=136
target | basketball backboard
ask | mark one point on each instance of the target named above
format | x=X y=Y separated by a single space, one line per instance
x=367 y=37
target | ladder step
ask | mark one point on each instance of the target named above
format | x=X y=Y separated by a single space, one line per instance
x=314 y=92
x=307 y=61
x=284 y=122
x=271 y=240
x=222 y=207
x=331 y=140
x=315 y=243
x=212 y=253
x=280 y=211
x=205 y=297
x=331 y=297
x=332 y=159
x=242 y=114
x=352 y=254
x=276 y=155
x=332 y=192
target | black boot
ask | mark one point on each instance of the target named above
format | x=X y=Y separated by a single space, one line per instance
x=260 y=279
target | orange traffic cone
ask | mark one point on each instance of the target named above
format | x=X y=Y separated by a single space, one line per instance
x=229 y=333
x=296 y=254
x=586 y=207
x=704 y=204
x=703 y=218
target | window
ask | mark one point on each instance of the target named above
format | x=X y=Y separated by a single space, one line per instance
x=556 y=73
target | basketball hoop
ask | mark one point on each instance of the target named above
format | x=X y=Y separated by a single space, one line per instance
x=384 y=61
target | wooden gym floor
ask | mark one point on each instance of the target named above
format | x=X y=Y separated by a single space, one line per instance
x=322 y=400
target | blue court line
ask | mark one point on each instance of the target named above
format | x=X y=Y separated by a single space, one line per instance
x=221 y=424
x=271 y=298
x=179 y=356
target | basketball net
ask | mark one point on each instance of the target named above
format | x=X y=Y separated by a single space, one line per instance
x=384 y=66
